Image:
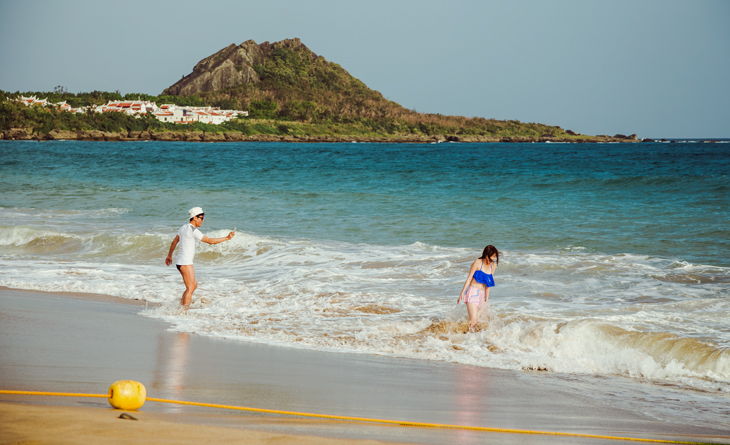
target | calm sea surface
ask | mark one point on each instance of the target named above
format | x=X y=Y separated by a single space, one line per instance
x=614 y=274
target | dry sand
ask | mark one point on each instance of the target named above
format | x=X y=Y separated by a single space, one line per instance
x=83 y=343
x=27 y=424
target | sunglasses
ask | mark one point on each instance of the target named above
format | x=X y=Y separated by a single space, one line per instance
x=201 y=216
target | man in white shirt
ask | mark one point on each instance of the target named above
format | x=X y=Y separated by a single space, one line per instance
x=186 y=237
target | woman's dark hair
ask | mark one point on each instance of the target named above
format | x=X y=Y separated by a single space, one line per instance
x=488 y=252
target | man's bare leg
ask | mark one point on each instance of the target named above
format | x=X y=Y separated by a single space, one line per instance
x=188 y=275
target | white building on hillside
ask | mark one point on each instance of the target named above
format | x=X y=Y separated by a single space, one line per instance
x=165 y=113
x=32 y=100
x=187 y=115
x=128 y=107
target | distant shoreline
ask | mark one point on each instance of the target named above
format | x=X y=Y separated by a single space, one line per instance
x=190 y=136
x=27 y=134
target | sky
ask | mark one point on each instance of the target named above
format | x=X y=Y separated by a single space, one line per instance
x=655 y=68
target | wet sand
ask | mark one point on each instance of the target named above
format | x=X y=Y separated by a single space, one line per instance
x=83 y=343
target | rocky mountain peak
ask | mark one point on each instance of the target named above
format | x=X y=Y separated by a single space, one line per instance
x=231 y=66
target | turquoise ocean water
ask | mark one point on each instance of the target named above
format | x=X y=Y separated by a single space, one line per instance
x=614 y=274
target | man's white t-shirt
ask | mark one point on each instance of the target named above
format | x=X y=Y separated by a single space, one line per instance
x=186 y=247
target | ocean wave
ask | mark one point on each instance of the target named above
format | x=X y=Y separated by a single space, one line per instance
x=21 y=241
x=596 y=347
x=19 y=212
x=27 y=240
x=356 y=323
x=116 y=245
x=571 y=310
x=667 y=184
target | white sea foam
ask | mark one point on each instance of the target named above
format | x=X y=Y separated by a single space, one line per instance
x=569 y=311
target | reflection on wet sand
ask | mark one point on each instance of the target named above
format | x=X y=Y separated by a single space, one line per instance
x=470 y=391
x=172 y=357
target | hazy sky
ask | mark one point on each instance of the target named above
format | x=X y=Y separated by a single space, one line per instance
x=657 y=68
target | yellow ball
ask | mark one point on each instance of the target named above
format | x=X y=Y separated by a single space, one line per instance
x=127 y=394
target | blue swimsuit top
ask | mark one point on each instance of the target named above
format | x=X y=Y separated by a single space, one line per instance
x=484 y=278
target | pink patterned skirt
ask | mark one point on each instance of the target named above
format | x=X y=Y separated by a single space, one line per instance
x=473 y=295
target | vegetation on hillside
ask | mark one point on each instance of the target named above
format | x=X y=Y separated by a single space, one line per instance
x=297 y=86
x=299 y=93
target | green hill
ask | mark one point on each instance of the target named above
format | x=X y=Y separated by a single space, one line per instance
x=287 y=81
x=291 y=94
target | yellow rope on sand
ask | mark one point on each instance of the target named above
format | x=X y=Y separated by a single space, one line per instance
x=361 y=419
x=60 y=394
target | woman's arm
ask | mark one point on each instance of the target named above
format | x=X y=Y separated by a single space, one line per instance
x=474 y=267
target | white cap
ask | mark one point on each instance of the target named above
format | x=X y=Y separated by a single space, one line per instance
x=195 y=211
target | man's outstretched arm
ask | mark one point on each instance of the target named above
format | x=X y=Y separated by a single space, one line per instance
x=205 y=239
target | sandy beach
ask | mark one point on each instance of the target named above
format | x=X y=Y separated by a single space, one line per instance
x=75 y=425
x=83 y=343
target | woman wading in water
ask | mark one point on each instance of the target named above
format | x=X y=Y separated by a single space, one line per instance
x=480 y=279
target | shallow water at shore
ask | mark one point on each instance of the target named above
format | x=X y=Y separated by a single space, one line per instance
x=79 y=343
x=613 y=267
